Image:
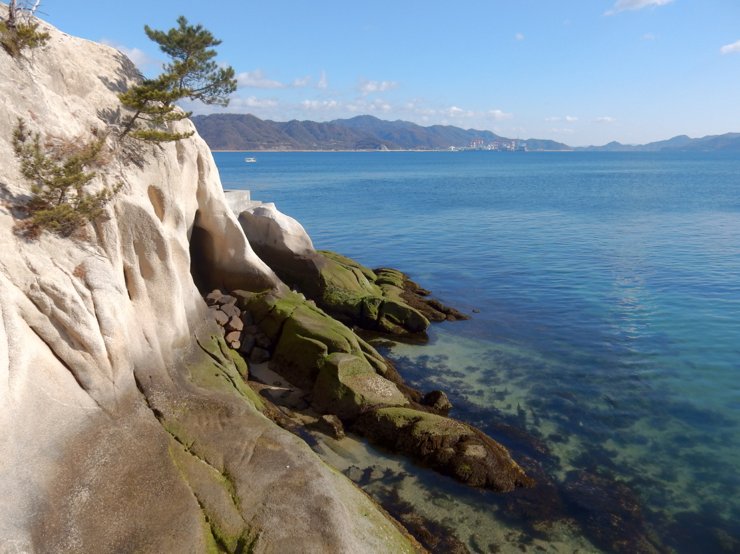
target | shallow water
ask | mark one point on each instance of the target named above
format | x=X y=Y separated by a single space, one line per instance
x=607 y=324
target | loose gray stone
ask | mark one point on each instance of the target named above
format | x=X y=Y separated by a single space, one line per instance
x=226 y=300
x=220 y=317
x=231 y=310
x=213 y=297
x=235 y=324
x=233 y=339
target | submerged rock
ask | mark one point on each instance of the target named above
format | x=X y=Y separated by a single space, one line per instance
x=347 y=378
x=444 y=444
x=609 y=512
x=437 y=400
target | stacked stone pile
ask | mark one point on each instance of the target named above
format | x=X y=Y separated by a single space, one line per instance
x=240 y=332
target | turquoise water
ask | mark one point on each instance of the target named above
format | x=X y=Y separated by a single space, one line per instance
x=606 y=334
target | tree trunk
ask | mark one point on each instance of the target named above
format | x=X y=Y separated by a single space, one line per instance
x=12 y=9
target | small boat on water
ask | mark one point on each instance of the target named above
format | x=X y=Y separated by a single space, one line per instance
x=250 y=160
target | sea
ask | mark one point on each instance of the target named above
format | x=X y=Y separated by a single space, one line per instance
x=603 y=347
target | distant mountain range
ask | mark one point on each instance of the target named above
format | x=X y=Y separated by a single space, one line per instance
x=729 y=142
x=365 y=132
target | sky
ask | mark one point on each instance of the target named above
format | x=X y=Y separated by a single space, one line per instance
x=576 y=71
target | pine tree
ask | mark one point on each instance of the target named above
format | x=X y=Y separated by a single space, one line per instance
x=192 y=74
x=59 y=200
x=196 y=74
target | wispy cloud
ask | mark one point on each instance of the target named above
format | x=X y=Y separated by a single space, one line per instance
x=567 y=119
x=563 y=130
x=499 y=115
x=323 y=81
x=257 y=79
x=252 y=102
x=733 y=48
x=320 y=105
x=648 y=36
x=605 y=119
x=141 y=59
x=369 y=87
x=301 y=82
x=625 y=5
x=519 y=36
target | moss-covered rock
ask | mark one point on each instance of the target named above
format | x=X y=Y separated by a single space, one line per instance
x=445 y=444
x=347 y=384
x=221 y=368
x=355 y=293
x=303 y=335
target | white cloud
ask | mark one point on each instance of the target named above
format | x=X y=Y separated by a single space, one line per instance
x=499 y=115
x=323 y=82
x=567 y=119
x=648 y=36
x=624 y=5
x=252 y=102
x=319 y=105
x=257 y=79
x=563 y=131
x=605 y=119
x=733 y=48
x=369 y=87
x=519 y=36
x=140 y=58
x=301 y=82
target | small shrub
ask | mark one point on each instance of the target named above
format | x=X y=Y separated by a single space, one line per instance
x=21 y=35
x=59 y=174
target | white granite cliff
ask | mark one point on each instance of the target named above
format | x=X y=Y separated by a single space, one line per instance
x=113 y=438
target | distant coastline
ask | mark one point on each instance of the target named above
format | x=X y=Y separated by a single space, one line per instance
x=247 y=133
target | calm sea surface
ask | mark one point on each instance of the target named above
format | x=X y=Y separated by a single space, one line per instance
x=605 y=343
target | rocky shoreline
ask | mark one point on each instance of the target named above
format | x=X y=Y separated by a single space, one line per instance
x=331 y=379
x=305 y=357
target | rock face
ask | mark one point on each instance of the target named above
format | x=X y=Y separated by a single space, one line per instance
x=126 y=423
x=384 y=300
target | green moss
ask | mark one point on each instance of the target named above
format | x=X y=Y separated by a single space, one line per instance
x=220 y=370
x=387 y=276
x=368 y=273
x=423 y=423
x=281 y=310
x=347 y=384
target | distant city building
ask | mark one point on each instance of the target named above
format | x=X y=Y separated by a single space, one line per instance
x=497 y=145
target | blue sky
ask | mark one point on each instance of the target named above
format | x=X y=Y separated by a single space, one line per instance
x=578 y=71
